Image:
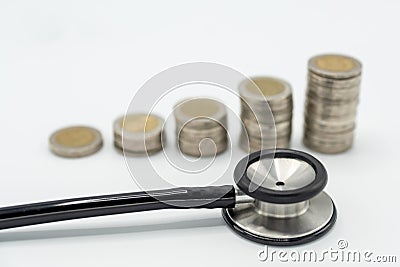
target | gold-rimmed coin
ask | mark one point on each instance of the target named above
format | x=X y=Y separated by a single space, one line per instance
x=335 y=66
x=75 y=141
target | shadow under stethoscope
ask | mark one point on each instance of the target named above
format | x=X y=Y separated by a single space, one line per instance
x=26 y=235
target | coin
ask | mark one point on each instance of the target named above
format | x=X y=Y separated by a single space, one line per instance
x=200 y=112
x=330 y=109
x=76 y=141
x=259 y=131
x=274 y=90
x=250 y=145
x=328 y=148
x=334 y=66
x=205 y=148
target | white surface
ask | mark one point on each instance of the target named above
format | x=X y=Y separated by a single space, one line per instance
x=69 y=62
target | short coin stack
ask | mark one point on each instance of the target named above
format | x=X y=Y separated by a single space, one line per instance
x=332 y=98
x=138 y=134
x=265 y=127
x=201 y=127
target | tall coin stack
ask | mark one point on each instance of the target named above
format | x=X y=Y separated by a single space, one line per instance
x=262 y=129
x=332 y=98
x=201 y=127
x=138 y=134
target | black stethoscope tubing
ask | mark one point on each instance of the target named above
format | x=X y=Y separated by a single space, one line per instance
x=84 y=207
x=226 y=197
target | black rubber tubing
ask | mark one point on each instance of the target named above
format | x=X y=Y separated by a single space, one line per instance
x=68 y=209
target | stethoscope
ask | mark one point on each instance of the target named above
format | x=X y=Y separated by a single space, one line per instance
x=280 y=205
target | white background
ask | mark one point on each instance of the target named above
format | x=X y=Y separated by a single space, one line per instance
x=80 y=62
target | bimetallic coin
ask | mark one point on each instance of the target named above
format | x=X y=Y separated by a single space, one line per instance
x=327 y=148
x=320 y=126
x=205 y=148
x=200 y=113
x=260 y=131
x=329 y=100
x=335 y=66
x=216 y=134
x=76 y=141
x=329 y=109
x=334 y=94
x=250 y=145
x=334 y=83
x=262 y=88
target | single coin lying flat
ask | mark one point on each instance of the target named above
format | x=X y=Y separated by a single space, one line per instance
x=75 y=142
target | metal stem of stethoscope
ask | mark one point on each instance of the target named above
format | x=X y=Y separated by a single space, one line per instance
x=284 y=205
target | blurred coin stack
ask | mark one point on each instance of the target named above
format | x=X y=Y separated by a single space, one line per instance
x=332 y=98
x=138 y=134
x=266 y=113
x=201 y=127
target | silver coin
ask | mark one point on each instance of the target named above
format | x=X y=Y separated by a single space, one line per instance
x=197 y=136
x=265 y=120
x=324 y=109
x=326 y=147
x=250 y=145
x=334 y=94
x=346 y=118
x=329 y=128
x=259 y=131
x=285 y=106
x=75 y=142
x=336 y=101
x=329 y=137
x=131 y=153
x=215 y=132
x=334 y=83
x=205 y=148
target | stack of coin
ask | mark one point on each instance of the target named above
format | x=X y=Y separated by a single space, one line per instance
x=138 y=134
x=201 y=127
x=332 y=98
x=260 y=97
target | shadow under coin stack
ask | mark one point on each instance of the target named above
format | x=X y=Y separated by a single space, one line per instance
x=138 y=134
x=260 y=127
x=201 y=127
x=332 y=98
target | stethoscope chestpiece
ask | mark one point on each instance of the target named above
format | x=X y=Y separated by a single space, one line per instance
x=285 y=204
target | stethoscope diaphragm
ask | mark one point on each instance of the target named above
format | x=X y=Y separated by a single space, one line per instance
x=287 y=205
